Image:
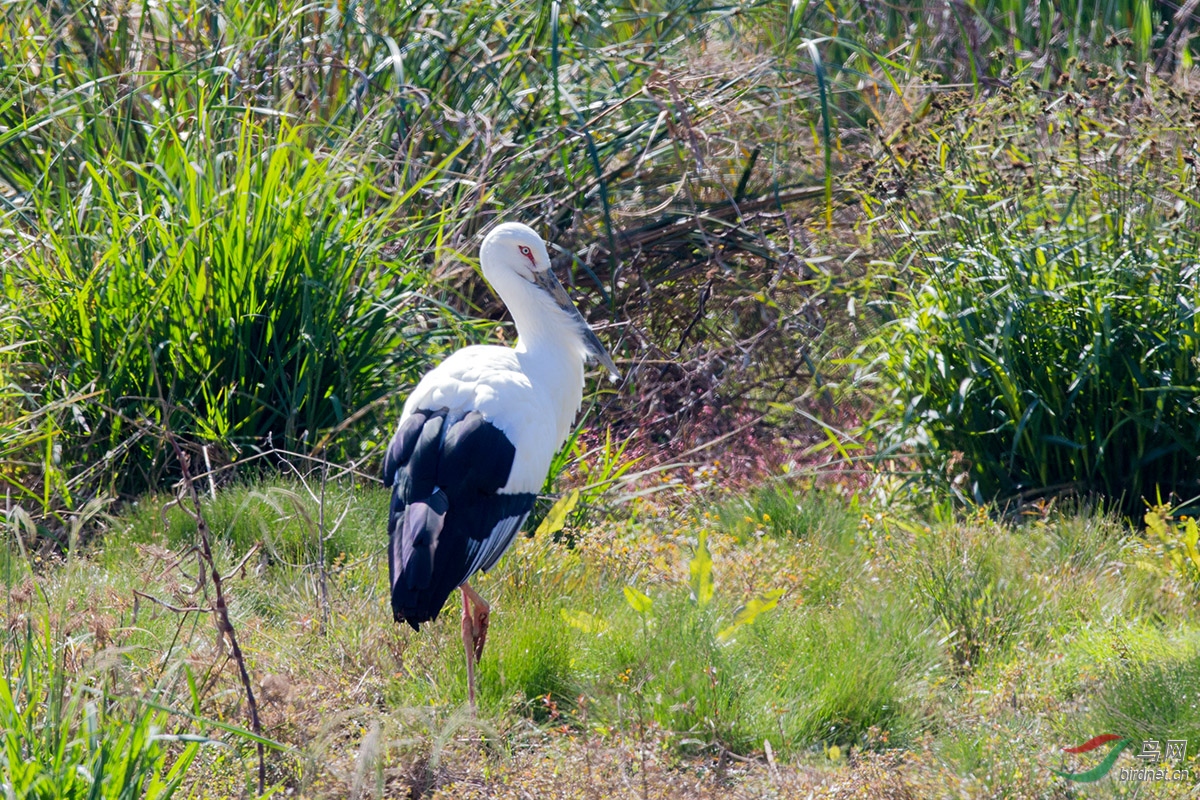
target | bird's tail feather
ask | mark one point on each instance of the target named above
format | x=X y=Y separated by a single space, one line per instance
x=413 y=541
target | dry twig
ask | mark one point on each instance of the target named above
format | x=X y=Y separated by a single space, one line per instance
x=220 y=607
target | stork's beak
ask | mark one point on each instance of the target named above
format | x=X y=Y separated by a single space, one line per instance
x=546 y=279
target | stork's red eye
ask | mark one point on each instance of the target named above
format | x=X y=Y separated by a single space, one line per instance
x=525 y=251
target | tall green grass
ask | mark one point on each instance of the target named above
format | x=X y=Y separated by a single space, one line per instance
x=986 y=42
x=976 y=589
x=1057 y=365
x=235 y=299
x=513 y=91
x=66 y=737
x=1042 y=336
x=31 y=425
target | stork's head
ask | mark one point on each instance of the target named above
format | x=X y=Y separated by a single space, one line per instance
x=515 y=262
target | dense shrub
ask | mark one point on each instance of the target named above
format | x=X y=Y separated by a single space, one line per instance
x=1054 y=363
x=1042 y=336
x=238 y=292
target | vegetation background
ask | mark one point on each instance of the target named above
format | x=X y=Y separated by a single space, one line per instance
x=893 y=500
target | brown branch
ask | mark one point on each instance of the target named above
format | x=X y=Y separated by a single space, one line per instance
x=674 y=223
x=145 y=551
x=241 y=563
x=220 y=608
x=169 y=607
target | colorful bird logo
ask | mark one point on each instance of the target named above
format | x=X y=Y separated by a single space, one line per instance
x=1106 y=764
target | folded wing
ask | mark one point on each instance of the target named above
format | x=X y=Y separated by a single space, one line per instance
x=448 y=519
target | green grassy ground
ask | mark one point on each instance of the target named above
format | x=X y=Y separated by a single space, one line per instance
x=903 y=657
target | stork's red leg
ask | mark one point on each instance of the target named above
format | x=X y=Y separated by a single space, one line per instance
x=468 y=635
x=481 y=616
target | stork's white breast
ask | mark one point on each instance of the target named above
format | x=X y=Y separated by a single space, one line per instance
x=489 y=379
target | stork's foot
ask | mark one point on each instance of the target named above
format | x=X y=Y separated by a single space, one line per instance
x=476 y=614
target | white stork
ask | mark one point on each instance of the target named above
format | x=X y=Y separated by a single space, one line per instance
x=476 y=439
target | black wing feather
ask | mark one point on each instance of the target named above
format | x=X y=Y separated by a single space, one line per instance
x=447 y=518
x=402 y=445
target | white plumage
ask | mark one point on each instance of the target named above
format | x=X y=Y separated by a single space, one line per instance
x=503 y=384
x=477 y=436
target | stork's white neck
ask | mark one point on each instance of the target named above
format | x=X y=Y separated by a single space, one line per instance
x=551 y=350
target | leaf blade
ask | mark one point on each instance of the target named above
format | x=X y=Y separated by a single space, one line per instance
x=637 y=601
x=556 y=517
x=747 y=614
x=700 y=572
